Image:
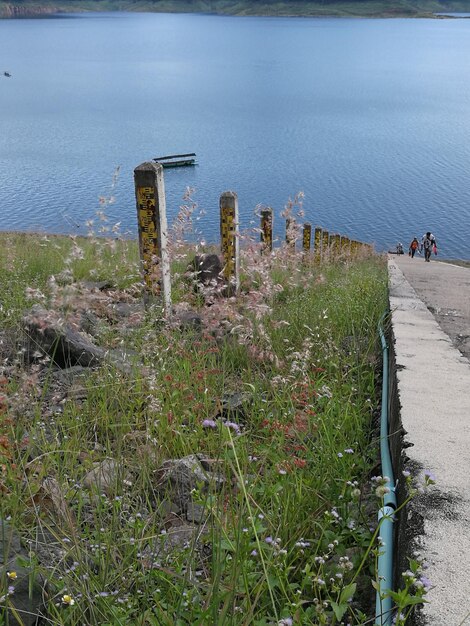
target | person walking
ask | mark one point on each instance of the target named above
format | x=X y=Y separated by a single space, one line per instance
x=414 y=246
x=428 y=244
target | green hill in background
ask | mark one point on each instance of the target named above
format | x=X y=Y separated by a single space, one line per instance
x=339 y=8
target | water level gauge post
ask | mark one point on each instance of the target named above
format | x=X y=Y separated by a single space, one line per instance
x=153 y=232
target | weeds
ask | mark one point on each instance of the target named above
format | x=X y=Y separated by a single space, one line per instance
x=223 y=476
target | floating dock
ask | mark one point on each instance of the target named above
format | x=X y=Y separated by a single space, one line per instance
x=177 y=160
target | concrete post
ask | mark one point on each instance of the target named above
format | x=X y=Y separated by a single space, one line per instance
x=325 y=249
x=153 y=230
x=335 y=245
x=290 y=232
x=317 y=238
x=345 y=245
x=266 y=237
x=229 y=235
x=306 y=238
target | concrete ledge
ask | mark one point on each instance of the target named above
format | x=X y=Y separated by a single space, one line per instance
x=433 y=393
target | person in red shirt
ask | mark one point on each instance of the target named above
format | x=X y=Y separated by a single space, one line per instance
x=414 y=246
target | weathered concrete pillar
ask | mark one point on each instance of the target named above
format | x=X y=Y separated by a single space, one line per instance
x=306 y=237
x=325 y=246
x=229 y=235
x=317 y=238
x=345 y=245
x=266 y=236
x=290 y=232
x=153 y=230
x=335 y=245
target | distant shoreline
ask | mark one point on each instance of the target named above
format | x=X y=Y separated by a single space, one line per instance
x=429 y=9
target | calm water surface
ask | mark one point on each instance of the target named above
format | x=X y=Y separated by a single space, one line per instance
x=369 y=118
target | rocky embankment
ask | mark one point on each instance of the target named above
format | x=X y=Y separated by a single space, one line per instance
x=15 y=11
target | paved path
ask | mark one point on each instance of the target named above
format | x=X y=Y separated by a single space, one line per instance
x=445 y=289
x=433 y=380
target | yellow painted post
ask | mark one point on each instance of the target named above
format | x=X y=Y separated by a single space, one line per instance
x=336 y=245
x=330 y=246
x=153 y=230
x=229 y=235
x=290 y=232
x=325 y=245
x=266 y=230
x=306 y=238
x=344 y=245
x=317 y=238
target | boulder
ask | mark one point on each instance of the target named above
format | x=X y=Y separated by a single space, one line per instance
x=66 y=347
x=187 y=320
x=207 y=269
x=233 y=405
x=25 y=592
x=103 y=477
x=176 y=479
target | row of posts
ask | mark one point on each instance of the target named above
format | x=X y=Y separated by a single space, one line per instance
x=153 y=234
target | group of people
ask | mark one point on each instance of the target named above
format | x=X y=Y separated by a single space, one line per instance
x=428 y=245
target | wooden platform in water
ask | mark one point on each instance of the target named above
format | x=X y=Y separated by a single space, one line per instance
x=177 y=160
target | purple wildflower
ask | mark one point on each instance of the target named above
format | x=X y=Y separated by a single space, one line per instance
x=429 y=478
x=425 y=582
x=233 y=426
x=209 y=424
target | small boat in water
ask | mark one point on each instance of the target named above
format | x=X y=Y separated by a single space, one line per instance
x=7 y=74
x=177 y=160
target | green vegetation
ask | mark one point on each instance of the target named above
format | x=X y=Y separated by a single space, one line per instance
x=339 y=8
x=270 y=400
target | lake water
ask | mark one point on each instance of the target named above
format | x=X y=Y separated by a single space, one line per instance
x=369 y=118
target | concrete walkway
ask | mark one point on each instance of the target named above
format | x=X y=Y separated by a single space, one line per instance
x=434 y=393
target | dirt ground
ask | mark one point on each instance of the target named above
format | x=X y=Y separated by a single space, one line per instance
x=445 y=289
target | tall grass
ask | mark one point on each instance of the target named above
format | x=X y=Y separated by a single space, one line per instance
x=276 y=528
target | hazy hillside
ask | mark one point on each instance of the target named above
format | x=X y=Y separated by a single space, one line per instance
x=359 y=8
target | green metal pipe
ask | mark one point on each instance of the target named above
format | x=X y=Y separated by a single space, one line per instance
x=384 y=606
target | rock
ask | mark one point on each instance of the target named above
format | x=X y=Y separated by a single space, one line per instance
x=167 y=510
x=188 y=320
x=103 y=477
x=196 y=513
x=207 y=269
x=91 y=324
x=66 y=347
x=127 y=309
x=233 y=405
x=50 y=499
x=69 y=375
x=49 y=549
x=27 y=596
x=177 y=538
x=99 y=285
x=177 y=478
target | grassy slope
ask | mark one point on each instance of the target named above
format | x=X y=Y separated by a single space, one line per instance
x=303 y=347
x=360 y=8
